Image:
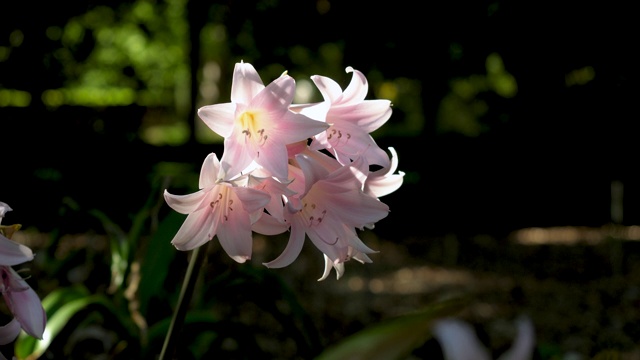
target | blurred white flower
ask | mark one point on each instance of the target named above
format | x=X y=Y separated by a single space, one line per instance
x=460 y=342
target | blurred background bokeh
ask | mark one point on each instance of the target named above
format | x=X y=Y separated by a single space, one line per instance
x=508 y=118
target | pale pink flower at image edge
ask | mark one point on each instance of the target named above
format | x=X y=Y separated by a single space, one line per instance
x=22 y=301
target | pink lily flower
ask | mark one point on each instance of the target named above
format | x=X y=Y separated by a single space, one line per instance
x=257 y=124
x=351 y=119
x=220 y=208
x=328 y=210
x=22 y=301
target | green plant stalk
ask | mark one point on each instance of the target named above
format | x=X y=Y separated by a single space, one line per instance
x=195 y=263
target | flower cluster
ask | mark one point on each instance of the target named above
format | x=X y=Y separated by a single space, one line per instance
x=22 y=301
x=311 y=169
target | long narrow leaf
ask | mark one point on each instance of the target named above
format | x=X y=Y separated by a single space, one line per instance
x=26 y=344
x=392 y=339
x=155 y=263
x=54 y=325
x=29 y=348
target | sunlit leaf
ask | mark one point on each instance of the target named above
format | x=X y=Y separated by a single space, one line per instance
x=61 y=306
x=53 y=304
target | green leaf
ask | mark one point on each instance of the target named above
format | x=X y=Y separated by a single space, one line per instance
x=155 y=263
x=60 y=306
x=391 y=339
x=55 y=323
x=25 y=344
x=120 y=247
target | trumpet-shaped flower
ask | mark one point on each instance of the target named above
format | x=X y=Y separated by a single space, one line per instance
x=20 y=298
x=219 y=208
x=351 y=119
x=23 y=302
x=257 y=124
x=328 y=210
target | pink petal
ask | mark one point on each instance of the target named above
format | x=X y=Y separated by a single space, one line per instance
x=328 y=265
x=4 y=208
x=252 y=199
x=186 y=204
x=269 y=225
x=246 y=83
x=316 y=111
x=276 y=97
x=293 y=248
x=329 y=89
x=313 y=172
x=291 y=127
x=384 y=181
x=13 y=253
x=381 y=186
x=369 y=209
x=357 y=245
x=26 y=306
x=235 y=235
x=368 y=115
x=209 y=171
x=236 y=158
x=198 y=228
x=219 y=117
x=361 y=258
x=9 y=332
x=329 y=238
x=357 y=89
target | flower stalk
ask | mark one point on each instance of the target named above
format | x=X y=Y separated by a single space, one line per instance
x=195 y=263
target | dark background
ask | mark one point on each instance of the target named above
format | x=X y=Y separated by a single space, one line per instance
x=547 y=158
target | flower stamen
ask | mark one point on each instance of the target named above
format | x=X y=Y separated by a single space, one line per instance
x=249 y=122
x=335 y=136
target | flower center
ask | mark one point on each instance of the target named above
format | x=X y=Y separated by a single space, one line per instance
x=312 y=213
x=222 y=204
x=337 y=137
x=249 y=122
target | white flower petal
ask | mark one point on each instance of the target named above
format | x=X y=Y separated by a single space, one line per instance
x=9 y=332
x=459 y=341
x=13 y=253
x=293 y=248
x=246 y=83
x=219 y=117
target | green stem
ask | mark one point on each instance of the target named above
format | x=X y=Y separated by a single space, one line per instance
x=195 y=263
